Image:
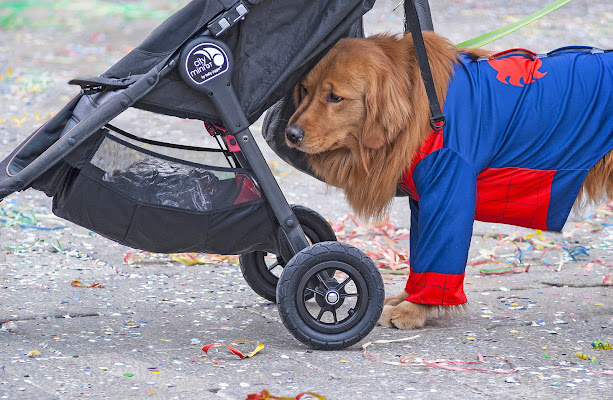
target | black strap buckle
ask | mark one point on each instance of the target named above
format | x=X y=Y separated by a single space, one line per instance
x=228 y=18
x=89 y=90
x=438 y=123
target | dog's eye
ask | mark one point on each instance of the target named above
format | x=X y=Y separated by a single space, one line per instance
x=333 y=98
x=303 y=92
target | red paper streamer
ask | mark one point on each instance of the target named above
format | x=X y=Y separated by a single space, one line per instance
x=259 y=347
x=77 y=283
x=265 y=395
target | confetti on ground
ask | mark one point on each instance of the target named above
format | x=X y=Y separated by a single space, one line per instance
x=16 y=13
x=436 y=363
x=140 y=256
x=265 y=395
x=27 y=219
x=14 y=84
x=597 y=221
x=386 y=341
x=599 y=344
x=452 y=365
x=380 y=241
x=33 y=353
x=513 y=261
x=277 y=171
x=584 y=356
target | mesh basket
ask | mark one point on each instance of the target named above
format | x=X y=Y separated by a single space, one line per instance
x=164 y=198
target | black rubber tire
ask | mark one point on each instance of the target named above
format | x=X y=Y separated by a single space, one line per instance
x=253 y=265
x=294 y=306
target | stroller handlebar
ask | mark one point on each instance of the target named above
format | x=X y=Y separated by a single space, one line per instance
x=37 y=161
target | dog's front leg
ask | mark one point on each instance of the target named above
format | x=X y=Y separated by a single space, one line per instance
x=405 y=315
x=395 y=299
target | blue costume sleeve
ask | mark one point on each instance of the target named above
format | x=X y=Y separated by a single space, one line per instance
x=446 y=185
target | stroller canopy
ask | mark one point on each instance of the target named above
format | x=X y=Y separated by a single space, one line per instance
x=274 y=46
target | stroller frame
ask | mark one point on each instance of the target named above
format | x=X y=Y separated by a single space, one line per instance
x=219 y=89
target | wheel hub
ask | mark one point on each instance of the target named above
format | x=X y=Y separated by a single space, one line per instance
x=332 y=297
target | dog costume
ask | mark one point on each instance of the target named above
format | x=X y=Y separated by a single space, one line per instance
x=522 y=132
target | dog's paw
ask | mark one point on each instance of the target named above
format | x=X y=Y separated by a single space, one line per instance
x=405 y=315
x=395 y=299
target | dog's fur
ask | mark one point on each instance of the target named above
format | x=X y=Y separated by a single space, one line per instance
x=363 y=113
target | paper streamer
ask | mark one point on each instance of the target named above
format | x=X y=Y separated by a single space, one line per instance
x=408 y=361
x=77 y=283
x=584 y=356
x=259 y=347
x=265 y=395
x=599 y=344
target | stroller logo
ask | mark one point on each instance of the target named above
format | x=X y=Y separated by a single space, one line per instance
x=204 y=62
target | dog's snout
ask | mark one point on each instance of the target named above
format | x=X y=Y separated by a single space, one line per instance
x=294 y=134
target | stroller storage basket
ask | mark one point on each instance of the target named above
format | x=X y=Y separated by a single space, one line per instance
x=163 y=197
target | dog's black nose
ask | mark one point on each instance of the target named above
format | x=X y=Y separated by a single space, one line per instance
x=294 y=134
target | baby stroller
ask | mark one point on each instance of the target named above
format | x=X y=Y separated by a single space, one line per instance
x=170 y=198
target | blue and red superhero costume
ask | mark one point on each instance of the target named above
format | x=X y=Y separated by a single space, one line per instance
x=522 y=133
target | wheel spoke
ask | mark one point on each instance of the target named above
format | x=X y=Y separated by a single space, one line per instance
x=333 y=310
x=343 y=295
x=273 y=266
x=321 y=313
x=342 y=284
x=322 y=278
x=315 y=291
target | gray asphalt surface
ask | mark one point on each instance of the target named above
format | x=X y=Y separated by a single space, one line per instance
x=140 y=336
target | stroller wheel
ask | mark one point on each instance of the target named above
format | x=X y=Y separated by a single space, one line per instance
x=261 y=270
x=345 y=304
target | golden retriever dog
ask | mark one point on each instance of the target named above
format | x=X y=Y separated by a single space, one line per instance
x=517 y=148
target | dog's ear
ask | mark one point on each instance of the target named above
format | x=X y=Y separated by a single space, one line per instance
x=388 y=106
x=299 y=91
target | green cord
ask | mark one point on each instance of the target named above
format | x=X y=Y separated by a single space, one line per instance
x=499 y=33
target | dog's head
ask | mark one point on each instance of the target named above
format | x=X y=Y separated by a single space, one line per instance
x=355 y=98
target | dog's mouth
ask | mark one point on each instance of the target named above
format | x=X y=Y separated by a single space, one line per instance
x=297 y=138
x=299 y=146
x=292 y=145
x=303 y=146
